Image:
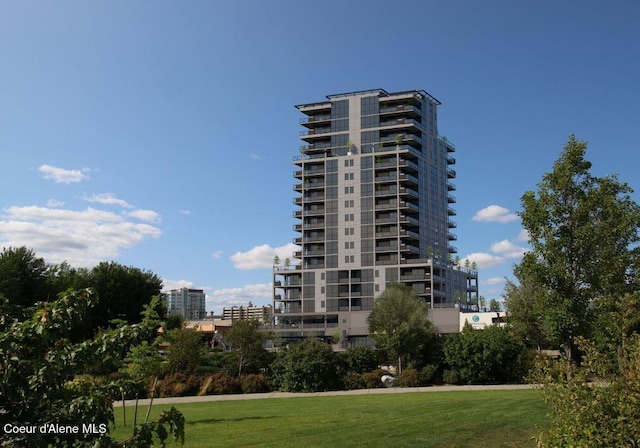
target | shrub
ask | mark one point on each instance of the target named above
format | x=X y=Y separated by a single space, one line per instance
x=409 y=378
x=373 y=379
x=354 y=380
x=594 y=405
x=179 y=385
x=361 y=359
x=309 y=366
x=255 y=383
x=486 y=356
x=222 y=383
x=428 y=374
x=451 y=377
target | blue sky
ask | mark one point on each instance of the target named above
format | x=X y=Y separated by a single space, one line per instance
x=161 y=134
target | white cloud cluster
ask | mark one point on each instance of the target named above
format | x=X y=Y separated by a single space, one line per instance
x=107 y=199
x=495 y=213
x=258 y=294
x=501 y=251
x=168 y=285
x=83 y=238
x=261 y=257
x=61 y=175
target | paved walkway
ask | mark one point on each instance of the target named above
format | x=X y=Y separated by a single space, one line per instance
x=269 y=395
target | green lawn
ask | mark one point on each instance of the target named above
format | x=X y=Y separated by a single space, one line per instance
x=434 y=419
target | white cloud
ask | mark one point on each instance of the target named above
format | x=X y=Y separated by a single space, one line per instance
x=523 y=236
x=218 y=254
x=259 y=294
x=54 y=203
x=484 y=260
x=145 y=215
x=83 y=238
x=168 y=285
x=255 y=157
x=61 y=175
x=184 y=212
x=495 y=213
x=493 y=281
x=107 y=199
x=261 y=257
x=507 y=249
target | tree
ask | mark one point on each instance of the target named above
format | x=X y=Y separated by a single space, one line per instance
x=399 y=323
x=186 y=350
x=37 y=361
x=583 y=232
x=526 y=313
x=22 y=278
x=310 y=366
x=494 y=305
x=245 y=338
x=123 y=293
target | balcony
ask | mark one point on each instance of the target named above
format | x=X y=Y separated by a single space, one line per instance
x=315 y=119
x=451 y=160
x=408 y=191
x=452 y=237
x=451 y=211
x=451 y=186
x=451 y=174
x=408 y=178
x=452 y=224
x=386 y=110
x=315 y=131
x=409 y=248
x=408 y=164
x=451 y=199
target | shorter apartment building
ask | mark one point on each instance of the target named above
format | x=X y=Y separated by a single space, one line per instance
x=189 y=303
x=261 y=313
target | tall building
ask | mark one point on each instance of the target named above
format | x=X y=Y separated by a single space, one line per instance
x=374 y=205
x=190 y=303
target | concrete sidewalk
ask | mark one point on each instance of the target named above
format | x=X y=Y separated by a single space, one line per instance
x=269 y=395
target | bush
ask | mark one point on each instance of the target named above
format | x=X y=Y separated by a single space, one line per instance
x=309 y=366
x=179 y=385
x=428 y=374
x=451 y=377
x=373 y=379
x=489 y=356
x=585 y=415
x=361 y=359
x=354 y=380
x=255 y=383
x=222 y=383
x=409 y=378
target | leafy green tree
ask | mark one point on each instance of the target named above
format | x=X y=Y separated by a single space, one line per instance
x=494 y=305
x=186 y=350
x=123 y=292
x=37 y=361
x=173 y=321
x=399 y=323
x=22 y=278
x=310 y=366
x=245 y=338
x=583 y=232
x=526 y=313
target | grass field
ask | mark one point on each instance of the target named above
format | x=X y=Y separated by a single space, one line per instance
x=435 y=419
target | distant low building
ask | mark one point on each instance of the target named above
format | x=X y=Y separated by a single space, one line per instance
x=189 y=303
x=482 y=319
x=261 y=313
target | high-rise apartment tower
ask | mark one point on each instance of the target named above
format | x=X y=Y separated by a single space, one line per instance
x=374 y=185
